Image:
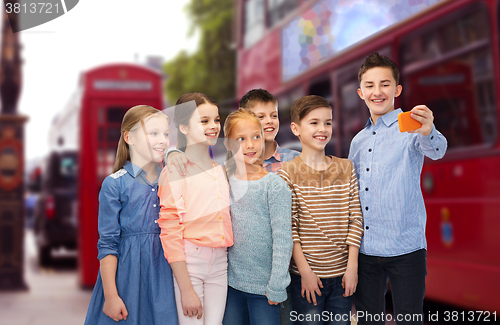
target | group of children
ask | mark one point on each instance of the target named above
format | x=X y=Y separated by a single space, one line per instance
x=274 y=236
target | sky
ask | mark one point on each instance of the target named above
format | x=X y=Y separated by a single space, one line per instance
x=93 y=33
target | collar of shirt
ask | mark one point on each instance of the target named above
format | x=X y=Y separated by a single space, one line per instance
x=388 y=119
x=276 y=155
x=139 y=174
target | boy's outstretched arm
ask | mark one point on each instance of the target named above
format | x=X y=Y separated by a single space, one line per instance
x=430 y=142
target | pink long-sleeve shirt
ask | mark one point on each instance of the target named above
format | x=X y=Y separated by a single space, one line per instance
x=194 y=207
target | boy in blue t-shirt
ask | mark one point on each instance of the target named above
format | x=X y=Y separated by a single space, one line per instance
x=388 y=164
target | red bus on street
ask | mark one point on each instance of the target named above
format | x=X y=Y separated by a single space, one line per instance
x=448 y=53
x=83 y=141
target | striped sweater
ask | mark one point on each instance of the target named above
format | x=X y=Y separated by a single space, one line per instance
x=326 y=213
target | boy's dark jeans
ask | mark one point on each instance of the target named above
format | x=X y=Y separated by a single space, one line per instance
x=407 y=275
x=332 y=307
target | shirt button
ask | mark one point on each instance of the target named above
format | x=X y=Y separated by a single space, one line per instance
x=370 y=150
x=367 y=227
x=152 y=190
x=222 y=237
x=432 y=137
x=366 y=208
x=156 y=221
x=220 y=217
x=218 y=197
x=154 y=205
x=366 y=189
x=368 y=169
x=374 y=133
x=437 y=149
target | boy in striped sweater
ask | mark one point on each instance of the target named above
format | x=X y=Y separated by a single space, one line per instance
x=327 y=223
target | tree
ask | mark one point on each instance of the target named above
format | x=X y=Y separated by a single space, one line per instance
x=211 y=69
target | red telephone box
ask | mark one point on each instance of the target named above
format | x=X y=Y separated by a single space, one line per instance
x=107 y=92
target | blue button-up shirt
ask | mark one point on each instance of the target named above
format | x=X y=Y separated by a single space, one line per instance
x=388 y=164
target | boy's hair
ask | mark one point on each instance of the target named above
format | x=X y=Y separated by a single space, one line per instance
x=255 y=96
x=376 y=60
x=302 y=106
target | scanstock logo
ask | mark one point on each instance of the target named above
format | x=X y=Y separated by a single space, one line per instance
x=32 y=13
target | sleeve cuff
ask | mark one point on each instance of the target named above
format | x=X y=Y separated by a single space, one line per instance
x=276 y=296
x=105 y=252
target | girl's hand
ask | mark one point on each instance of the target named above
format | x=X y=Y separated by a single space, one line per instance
x=424 y=115
x=115 y=308
x=191 y=304
x=271 y=302
x=179 y=161
x=350 y=281
x=310 y=285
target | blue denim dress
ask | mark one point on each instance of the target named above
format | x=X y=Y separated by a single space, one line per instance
x=128 y=211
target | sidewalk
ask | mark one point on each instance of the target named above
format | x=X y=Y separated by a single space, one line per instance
x=53 y=298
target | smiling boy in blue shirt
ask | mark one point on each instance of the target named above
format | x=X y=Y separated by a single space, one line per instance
x=388 y=164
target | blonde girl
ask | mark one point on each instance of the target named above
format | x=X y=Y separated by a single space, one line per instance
x=261 y=219
x=134 y=284
x=194 y=216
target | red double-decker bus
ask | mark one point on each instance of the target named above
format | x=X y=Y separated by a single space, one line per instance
x=83 y=141
x=448 y=54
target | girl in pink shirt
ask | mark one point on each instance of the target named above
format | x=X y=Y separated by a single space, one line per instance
x=194 y=215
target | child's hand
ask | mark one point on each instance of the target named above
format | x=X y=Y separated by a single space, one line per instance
x=191 y=304
x=424 y=115
x=350 y=281
x=179 y=161
x=310 y=285
x=115 y=308
x=271 y=302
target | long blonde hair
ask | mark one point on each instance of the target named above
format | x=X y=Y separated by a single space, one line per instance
x=183 y=113
x=131 y=118
x=229 y=125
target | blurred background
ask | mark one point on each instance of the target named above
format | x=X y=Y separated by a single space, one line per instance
x=83 y=70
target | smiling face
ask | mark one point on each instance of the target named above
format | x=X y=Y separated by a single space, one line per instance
x=268 y=116
x=378 y=89
x=149 y=141
x=315 y=129
x=246 y=141
x=204 y=125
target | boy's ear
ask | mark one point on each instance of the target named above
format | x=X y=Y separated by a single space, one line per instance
x=295 y=129
x=360 y=94
x=128 y=138
x=399 y=89
x=184 y=129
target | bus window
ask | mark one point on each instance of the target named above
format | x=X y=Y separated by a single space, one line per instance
x=253 y=28
x=278 y=9
x=322 y=88
x=449 y=68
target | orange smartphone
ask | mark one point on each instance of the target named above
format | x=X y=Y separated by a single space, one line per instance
x=407 y=123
